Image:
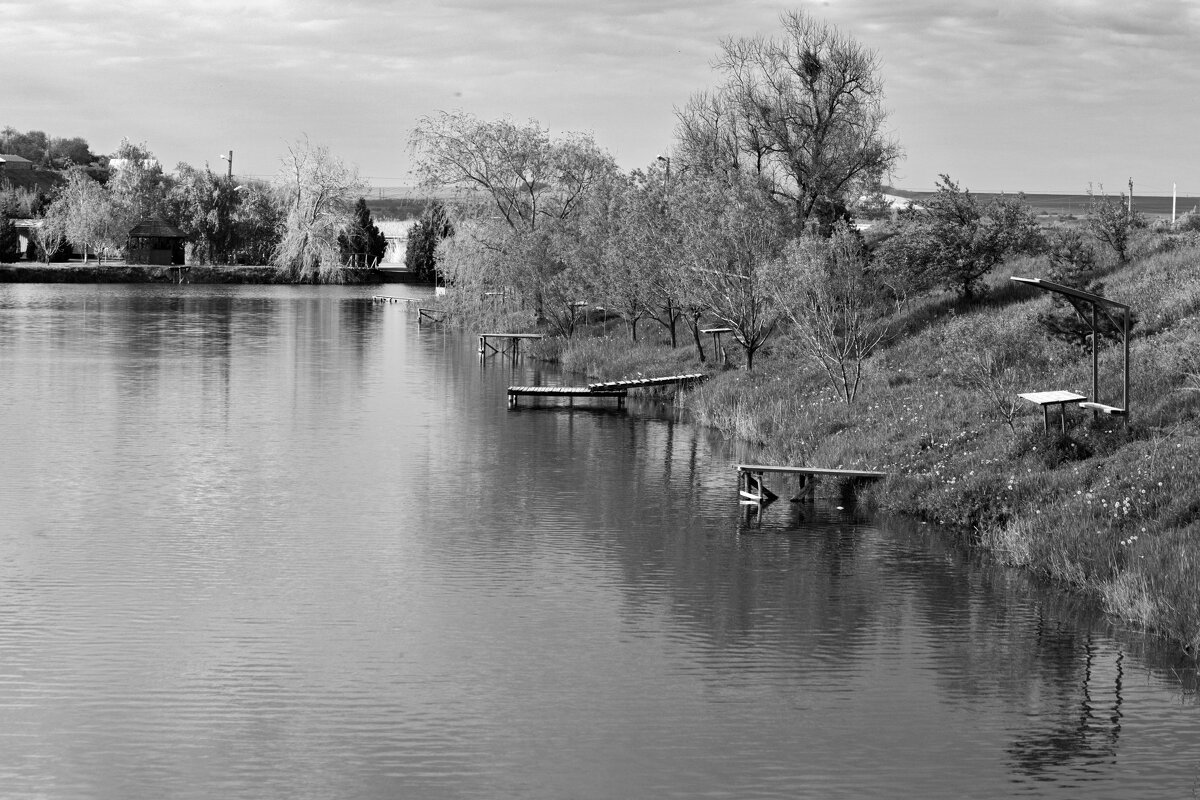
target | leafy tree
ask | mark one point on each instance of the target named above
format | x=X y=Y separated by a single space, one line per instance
x=316 y=187
x=203 y=206
x=257 y=219
x=954 y=240
x=362 y=237
x=138 y=186
x=839 y=304
x=32 y=145
x=83 y=211
x=420 y=255
x=65 y=152
x=803 y=111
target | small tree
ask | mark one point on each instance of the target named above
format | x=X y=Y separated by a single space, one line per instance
x=362 y=237
x=1112 y=223
x=420 y=255
x=1072 y=263
x=839 y=305
x=84 y=212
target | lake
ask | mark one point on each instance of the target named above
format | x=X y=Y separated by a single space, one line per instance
x=284 y=542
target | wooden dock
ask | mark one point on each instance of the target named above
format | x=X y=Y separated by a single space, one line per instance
x=639 y=383
x=431 y=314
x=570 y=392
x=510 y=343
x=387 y=298
x=752 y=491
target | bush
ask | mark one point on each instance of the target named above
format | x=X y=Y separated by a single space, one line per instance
x=954 y=241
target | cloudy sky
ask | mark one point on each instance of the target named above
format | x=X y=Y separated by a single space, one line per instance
x=1012 y=95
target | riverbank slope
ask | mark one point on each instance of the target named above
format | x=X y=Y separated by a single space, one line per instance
x=1112 y=510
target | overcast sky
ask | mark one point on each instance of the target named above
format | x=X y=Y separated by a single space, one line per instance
x=1013 y=95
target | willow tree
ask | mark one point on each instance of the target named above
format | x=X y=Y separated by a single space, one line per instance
x=530 y=185
x=802 y=111
x=317 y=189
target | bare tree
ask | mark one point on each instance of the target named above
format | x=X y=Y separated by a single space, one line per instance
x=838 y=305
x=802 y=110
x=731 y=235
x=318 y=189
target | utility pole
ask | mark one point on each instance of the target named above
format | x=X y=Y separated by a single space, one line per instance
x=1174 y=194
x=1129 y=202
x=229 y=158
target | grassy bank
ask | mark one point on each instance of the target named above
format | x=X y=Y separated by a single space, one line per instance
x=1113 y=511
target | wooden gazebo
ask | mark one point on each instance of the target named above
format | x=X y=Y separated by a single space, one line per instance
x=1089 y=306
x=153 y=241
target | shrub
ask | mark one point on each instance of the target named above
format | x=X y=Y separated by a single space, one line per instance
x=954 y=241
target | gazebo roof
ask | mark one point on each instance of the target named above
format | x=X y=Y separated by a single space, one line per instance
x=156 y=228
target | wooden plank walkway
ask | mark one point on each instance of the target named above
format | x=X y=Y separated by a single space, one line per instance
x=387 y=298
x=570 y=392
x=638 y=383
x=513 y=346
x=752 y=491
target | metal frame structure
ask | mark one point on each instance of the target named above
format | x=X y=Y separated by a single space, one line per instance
x=1096 y=304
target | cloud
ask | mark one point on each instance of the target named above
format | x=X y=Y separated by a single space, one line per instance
x=996 y=91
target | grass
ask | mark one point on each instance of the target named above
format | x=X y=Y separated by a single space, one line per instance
x=1109 y=510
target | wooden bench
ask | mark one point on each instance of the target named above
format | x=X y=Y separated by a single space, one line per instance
x=1058 y=398
x=752 y=491
x=1113 y=411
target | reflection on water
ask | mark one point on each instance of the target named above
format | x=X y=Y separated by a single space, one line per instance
x=282 y=542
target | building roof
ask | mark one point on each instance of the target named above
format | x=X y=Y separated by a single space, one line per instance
x=156 y=228
x=11 y=159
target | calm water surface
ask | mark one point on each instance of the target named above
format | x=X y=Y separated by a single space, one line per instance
x=280 y=542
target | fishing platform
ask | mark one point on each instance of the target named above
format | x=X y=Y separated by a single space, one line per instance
x=387 y=298
x=752 y=491
x=570 y=392
x=509 y=343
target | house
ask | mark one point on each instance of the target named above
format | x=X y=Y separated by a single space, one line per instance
x=153 y=241
x=11 y=163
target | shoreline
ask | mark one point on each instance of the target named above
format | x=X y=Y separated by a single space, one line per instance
x=120 y=272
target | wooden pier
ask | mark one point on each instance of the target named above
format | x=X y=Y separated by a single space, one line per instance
x=640 y=383
x=510 y=343
x=387 y=298
x=752 y=491
x=431 y=314
x=570 y=392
